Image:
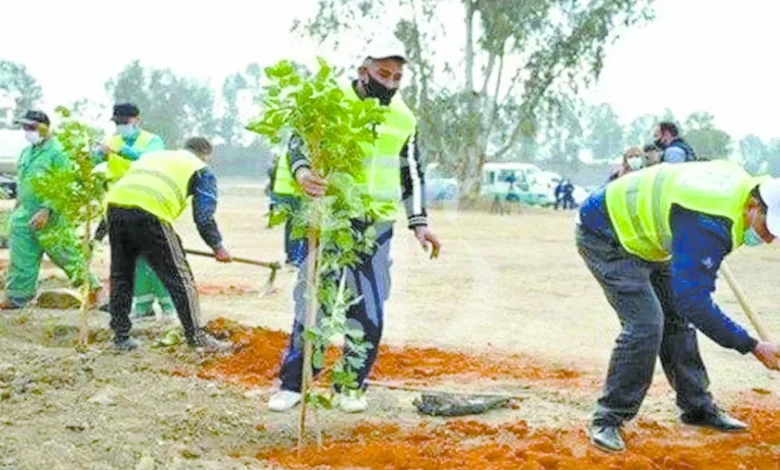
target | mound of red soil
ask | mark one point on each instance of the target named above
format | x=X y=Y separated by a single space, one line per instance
x=257 y=361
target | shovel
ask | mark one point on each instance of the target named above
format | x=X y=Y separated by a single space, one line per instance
x=273 y=266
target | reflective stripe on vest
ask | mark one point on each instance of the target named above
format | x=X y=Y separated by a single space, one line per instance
x=157 y=184
x=640 y=203
x=117 y=164
x=284 y=183
x=383 y=162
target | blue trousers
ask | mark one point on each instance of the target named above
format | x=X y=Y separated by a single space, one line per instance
x=370 y=280
x=294 y=249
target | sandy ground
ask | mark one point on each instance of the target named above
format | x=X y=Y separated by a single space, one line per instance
x=511 y=284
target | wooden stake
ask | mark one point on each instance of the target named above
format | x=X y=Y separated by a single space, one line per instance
x=312 y=306
x=751 y=313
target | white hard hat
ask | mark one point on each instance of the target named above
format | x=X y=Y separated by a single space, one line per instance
x=386 y=47
x=770 y=193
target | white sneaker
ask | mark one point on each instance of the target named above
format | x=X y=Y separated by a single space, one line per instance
x=283 y=400
x=353 y=401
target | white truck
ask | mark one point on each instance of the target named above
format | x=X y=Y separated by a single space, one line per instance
x=499 y=179
x=531 y=184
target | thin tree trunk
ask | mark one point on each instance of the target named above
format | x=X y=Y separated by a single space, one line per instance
x=312 y=306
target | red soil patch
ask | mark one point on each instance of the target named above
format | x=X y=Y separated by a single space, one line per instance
x=257 y=361
x=475 y=445
x=219 y=289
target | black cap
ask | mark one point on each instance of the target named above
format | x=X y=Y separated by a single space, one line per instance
x=124 y=111
x=33 y=117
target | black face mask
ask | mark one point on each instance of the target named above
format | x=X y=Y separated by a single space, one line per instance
x=374 y=89
x=658 y=143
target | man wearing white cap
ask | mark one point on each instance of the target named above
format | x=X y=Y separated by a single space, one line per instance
x=688 y=217
x=395 y=173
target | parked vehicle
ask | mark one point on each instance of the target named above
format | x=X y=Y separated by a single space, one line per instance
x=7 y=186
x=529 y=183
x=519 y=179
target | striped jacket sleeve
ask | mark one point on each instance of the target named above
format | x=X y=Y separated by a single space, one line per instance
x=413 y=183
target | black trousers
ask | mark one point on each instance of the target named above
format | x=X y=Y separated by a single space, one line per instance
x=134 y=233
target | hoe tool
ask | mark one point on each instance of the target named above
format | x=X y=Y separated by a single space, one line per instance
x=273 y=266
x=751 y=313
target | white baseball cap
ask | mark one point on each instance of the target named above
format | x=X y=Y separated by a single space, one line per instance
x=770 y=193
x=388 y=47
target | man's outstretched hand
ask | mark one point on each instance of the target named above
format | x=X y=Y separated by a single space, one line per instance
x=768 y=354
x=222 y=255
x=428 y=240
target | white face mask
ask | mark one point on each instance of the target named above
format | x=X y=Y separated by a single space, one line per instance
x=635 y=163
x=34 y=137
x=125 y=130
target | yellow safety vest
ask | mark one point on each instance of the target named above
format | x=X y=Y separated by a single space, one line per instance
x=640 y=203
x=157 y=183
x=117 y=164
x=383 y=162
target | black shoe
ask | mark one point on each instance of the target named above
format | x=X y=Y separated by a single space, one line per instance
x=606 y=438
x=125 y=345
x=715 y=419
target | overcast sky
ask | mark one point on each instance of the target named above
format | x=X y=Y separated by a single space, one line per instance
x=712 y=55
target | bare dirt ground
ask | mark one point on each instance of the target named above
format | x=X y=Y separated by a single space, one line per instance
x=509 y=306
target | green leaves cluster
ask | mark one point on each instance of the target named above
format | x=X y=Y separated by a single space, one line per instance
x=334 y=132
x=72 y=191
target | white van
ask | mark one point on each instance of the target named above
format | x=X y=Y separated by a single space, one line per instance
x=497 y=178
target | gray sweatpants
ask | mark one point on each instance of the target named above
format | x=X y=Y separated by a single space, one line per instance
x=641 y=294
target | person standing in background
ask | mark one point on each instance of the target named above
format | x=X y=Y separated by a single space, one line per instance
x=126 y=146
x=35 y=228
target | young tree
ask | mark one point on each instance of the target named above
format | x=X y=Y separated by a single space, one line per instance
x=531 y=52
x=76 y=195
x=334 y=130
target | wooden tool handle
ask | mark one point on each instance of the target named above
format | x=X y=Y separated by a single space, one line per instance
x=274 y=265
x=758 y=324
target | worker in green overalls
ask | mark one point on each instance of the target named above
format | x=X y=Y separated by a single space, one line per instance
x=128 y=144
x=35 y=228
